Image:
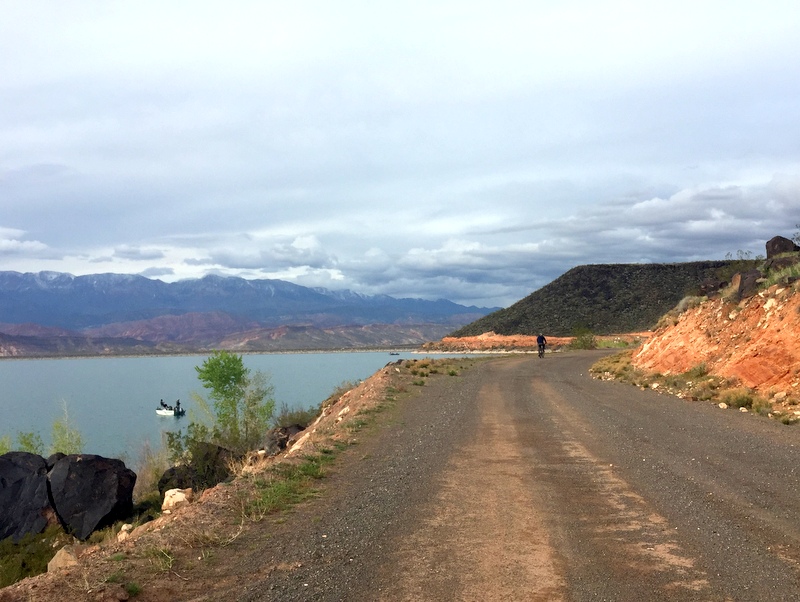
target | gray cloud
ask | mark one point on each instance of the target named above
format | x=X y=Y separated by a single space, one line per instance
x=134 y=253
x=432 y=150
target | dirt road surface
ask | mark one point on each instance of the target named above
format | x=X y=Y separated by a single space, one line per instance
x=524 y=479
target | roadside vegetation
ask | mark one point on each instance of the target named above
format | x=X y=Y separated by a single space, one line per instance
x=696 y=384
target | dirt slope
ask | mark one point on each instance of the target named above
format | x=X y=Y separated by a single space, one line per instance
x=754 y=342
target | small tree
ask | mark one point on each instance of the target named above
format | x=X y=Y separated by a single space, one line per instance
x=240 y=410
x=66 y=438
x=30 y=442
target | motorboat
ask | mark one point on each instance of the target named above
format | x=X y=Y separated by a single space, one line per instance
x=167 y=410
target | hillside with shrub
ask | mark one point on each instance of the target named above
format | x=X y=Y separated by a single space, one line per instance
x=606 y=299
x=737 y=348
x=752 y=341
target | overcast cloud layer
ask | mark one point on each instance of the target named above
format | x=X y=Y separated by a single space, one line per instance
x=472 y=151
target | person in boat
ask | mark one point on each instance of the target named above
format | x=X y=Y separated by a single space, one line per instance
x=163 y=405
x=178 y=407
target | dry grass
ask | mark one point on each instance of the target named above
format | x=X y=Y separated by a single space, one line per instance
x=696 y=384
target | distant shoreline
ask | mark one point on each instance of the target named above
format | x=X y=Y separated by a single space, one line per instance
x=199 y=353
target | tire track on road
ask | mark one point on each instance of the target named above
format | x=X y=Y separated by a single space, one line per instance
x=617 y=528
x=484 y=538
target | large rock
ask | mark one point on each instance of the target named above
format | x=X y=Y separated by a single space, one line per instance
x=91 y=492
x=777 y=264
x=65 y=558
x=779 y=244
x=710 y=287
x=176 y=477
x=746 y=283
x=24 y=503
x=210 y=464
x=277 y=439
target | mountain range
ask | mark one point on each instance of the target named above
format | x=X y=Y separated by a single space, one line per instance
x=53 y=313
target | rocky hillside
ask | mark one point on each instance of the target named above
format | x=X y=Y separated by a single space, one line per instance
x=748 y=331
x=753 y=341
x=605 y=299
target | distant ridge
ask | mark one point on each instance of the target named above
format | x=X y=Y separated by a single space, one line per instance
x=79 y=302
x=52 y=313
x=605 y=299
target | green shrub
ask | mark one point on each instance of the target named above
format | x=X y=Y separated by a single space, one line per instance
x=30 y=442
x=287 y=417
x=705 y=390
x=688 y=303
x=286 y=484
x=616 y=343
x=150 y=465
x=66 y=438
x=737 y=398
x=685 y=304
x=782 y=276
x=133 y=588
x=583 y=339
x=30 y=555
x=761 y=405
x=619 y=366
x=698 y=371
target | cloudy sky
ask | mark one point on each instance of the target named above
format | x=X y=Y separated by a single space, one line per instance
x=472 y=151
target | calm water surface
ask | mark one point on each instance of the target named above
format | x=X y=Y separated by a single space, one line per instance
x=112 y=401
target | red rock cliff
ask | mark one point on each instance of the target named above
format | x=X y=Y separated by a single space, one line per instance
x=755 y=341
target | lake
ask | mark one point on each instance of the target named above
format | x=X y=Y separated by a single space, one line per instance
x=112 y=401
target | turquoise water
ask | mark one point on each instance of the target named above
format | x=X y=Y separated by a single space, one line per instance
x=112 y=401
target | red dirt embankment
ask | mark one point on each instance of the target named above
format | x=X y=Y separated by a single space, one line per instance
x=489 y=342
x=755 y=342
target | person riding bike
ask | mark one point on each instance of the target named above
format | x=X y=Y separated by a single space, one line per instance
x=541 y=342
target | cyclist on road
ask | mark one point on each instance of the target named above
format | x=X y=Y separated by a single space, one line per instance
x=541 y=341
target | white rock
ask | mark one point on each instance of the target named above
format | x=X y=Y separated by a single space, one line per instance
x=177 y=498
x=342 y=413
x=723 y=406
x=124 y=532
x=743 y=409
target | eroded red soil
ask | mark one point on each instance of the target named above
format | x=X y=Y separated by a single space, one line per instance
x=489 y=341
x=754 y=342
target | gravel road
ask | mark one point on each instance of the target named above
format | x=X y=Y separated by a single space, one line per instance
x=525 y=479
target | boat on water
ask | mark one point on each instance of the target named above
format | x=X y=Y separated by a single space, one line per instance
x=167 y=410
